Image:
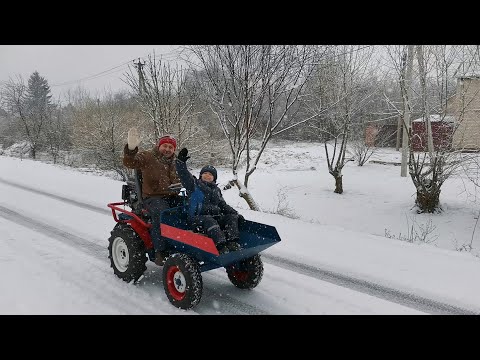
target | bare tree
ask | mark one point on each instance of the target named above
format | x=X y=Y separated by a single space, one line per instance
x=168 y=99
x=429 y=172
x=30 y=104
x=100 y=131
x=369 y=133
x=251 y=90
x=341 y=97
x=363 y=151
x=11 y=130
x=57 y=132
x=431 y=80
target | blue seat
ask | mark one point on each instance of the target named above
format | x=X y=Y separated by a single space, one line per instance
x=182 y=216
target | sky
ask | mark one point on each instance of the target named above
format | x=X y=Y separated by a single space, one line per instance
x=94 y=67
x=338 y=254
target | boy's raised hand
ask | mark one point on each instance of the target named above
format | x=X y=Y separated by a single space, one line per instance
x=182 y=155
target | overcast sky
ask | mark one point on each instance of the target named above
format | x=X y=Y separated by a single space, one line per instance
x=93 y=67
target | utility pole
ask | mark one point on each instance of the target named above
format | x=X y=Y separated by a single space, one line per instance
x=407 y=98
x=399 y=133
x=141 y=80
x=426 y=112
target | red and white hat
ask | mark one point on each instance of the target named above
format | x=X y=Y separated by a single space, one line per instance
x=167 y=139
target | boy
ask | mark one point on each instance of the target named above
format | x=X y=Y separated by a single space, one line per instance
x=215 y=214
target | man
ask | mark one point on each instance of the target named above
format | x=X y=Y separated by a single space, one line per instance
x=218 y=219
x=158 y=173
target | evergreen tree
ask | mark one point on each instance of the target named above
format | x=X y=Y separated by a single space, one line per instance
x=38 y=96
x=39 y=107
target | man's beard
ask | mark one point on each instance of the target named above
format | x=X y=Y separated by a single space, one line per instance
x=166 y=157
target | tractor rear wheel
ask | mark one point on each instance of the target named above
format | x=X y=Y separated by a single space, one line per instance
x=126 y=253
x=246 y=273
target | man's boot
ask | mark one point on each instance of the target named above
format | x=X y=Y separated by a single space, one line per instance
x=234 y=245
x=160 y=258
x=222 y=248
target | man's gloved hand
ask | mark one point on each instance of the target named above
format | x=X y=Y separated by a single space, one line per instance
x=241 y=218
x=133 y=138
x=182 y=155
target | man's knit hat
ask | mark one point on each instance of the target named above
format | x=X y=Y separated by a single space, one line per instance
x=168 y=140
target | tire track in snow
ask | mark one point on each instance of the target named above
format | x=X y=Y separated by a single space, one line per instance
x=101 y=210
x=390 y=294
x=235 y=305
x=96 y=251
x=86 y=246
x=230 y=304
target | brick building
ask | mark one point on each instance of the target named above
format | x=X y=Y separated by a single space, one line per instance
x=442 y=131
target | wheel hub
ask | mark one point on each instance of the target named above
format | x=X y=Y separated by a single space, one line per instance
x=120 y=254
x=176 y=283
x=179 y=282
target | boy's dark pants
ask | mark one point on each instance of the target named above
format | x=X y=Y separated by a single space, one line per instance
x=220 y=228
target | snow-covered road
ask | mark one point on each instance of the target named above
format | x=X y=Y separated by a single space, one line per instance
x=55 y=250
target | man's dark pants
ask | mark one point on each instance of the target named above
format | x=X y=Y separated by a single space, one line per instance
x=155 y=205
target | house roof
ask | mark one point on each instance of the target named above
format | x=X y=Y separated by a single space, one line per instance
x=437 y=118
x=469 y=76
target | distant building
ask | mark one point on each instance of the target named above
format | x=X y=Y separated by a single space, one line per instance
x=381 y=135
x=442 y=131
x=464 y=106
x=458 y=128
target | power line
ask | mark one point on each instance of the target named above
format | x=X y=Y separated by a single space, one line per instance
x=173 y=54
x=93 y=76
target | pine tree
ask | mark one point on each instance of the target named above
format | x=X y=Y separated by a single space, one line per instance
x=38 y=96
x=38 y=106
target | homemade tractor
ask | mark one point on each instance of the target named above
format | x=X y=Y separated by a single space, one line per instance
x=190 y=252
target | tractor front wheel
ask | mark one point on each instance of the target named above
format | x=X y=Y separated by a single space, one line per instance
x=182 y=281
